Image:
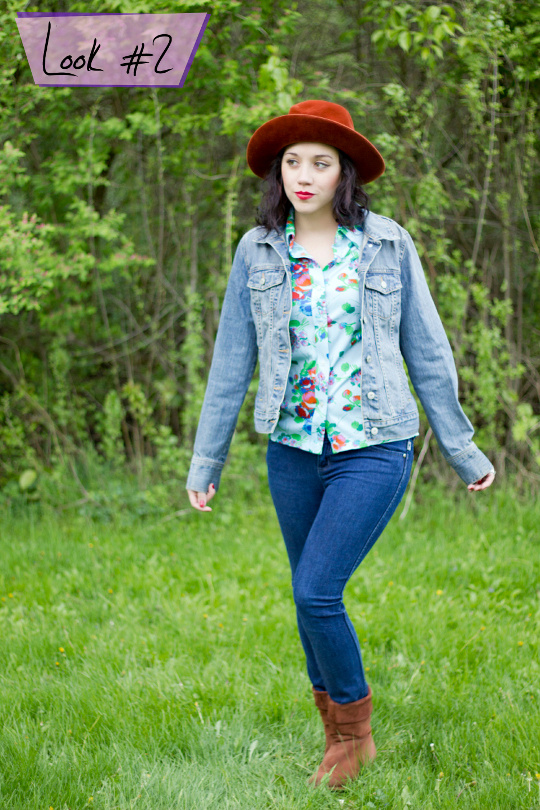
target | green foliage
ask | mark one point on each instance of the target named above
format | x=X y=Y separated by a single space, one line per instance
x=416 y=31
x=523 y=428
x=276 y=92
x=30 y=268
x=27 y=479
x=193 y=356
x=111 y=428
x=15 y=437
x=120 y=211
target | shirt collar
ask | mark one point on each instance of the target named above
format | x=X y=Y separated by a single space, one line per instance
x=344 y=235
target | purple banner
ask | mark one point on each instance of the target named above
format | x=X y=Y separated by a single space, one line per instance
x=71 y=49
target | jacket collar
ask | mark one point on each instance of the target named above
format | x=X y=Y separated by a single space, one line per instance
x=378 y=227
x=375 y=226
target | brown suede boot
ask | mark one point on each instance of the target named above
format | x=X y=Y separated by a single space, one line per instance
x=321 y=701
x=351 y=743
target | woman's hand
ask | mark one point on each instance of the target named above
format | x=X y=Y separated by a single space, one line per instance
x=199 y=500
x=483 y=483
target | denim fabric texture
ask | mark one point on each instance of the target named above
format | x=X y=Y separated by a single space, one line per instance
x=331 y=508
x=400 y=323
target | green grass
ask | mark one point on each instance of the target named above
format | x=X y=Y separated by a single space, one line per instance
x=159 y=667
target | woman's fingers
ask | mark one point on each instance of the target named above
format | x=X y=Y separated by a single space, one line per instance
x=483 y=483
x=193 y=498
x=204 y=497
x=199 y=500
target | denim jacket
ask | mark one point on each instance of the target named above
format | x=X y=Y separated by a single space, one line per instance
x=400 y=322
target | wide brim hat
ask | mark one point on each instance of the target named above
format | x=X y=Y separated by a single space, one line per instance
x=313 y=120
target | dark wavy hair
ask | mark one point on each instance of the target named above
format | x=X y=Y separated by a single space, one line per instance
x=350 y=204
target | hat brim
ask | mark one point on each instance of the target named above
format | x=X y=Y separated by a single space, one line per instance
x=268 y=139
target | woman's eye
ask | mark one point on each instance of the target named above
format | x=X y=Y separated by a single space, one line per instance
x=318 y=163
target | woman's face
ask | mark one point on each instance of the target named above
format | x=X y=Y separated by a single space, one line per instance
x=313 y=170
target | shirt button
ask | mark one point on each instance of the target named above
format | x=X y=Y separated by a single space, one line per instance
x=370 y=395
x=368 y=359
x=374 y=431
x=383 y=284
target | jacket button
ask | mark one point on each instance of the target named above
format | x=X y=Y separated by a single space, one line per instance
x=368 y=359
x=370 y=395
x=383 y=283
x=374 y=431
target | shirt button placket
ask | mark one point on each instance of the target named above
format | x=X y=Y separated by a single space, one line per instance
x=320 y=308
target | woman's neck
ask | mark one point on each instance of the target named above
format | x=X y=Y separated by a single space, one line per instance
x=320 y=224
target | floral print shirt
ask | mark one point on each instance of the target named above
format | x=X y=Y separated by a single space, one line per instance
x=323 y=388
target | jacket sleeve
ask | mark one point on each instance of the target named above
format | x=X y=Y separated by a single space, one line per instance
x=233 y=363
x=427 y=352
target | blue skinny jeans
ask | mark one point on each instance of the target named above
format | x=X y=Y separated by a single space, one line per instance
x=331 y=509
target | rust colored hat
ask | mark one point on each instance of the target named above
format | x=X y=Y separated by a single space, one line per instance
x=313 y=120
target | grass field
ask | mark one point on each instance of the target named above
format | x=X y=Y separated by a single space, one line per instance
x=159 y=667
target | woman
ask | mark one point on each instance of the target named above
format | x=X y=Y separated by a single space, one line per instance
x=331 y=298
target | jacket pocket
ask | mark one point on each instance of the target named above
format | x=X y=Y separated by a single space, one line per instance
x=264 y=285
x=263 y=278
x=383 y=294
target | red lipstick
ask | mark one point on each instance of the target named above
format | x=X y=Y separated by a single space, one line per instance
x=304 y=195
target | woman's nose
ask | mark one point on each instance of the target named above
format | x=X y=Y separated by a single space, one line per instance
x=304 y=176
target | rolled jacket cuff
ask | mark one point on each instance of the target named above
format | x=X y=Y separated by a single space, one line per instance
x=471 y=464
x=202 y=473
